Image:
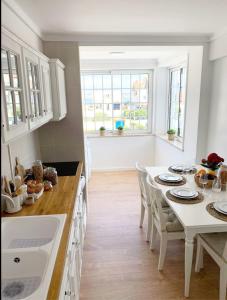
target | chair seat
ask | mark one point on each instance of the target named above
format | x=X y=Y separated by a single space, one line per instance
x=216 y=241
x=172 y=223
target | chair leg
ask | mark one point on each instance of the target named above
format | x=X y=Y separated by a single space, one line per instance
x=142 y=214
x=199 y=256
x=162 y=254
x=223 y=283
x=153 y=235
x=149 y=223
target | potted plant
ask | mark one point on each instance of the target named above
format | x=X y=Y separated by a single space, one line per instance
x=120 y=130
x=171 y=134
x=102 y=130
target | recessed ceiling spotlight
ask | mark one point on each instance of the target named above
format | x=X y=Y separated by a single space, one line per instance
x=117 y=52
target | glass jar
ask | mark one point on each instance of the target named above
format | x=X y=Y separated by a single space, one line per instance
x=51 y=175
x=223 y=176
x=37 y=169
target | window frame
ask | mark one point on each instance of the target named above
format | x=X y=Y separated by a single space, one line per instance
x=150 y=73
x=170 y=70
x=13 y=89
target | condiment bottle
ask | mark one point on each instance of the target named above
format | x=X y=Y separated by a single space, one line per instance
x=223 y=176
x=37 y=170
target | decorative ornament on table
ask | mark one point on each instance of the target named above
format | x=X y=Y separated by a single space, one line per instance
x=211 y=165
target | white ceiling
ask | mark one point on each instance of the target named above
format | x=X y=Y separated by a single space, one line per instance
x=127 y=16
x=131 y=52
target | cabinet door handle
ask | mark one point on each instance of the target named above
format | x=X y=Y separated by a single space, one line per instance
x=31 y=116
x=3 y=125
x=26 y=117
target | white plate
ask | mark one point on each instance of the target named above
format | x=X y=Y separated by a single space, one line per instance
x=221 y=206
x=177 y=167
x=185 y=193
x=168 y=177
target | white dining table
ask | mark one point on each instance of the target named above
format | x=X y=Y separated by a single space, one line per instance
x=193 y=217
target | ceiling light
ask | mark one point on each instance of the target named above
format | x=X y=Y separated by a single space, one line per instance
x=116 y=52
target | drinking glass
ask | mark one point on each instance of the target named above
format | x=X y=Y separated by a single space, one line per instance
x=203 y=180
x=216 y=186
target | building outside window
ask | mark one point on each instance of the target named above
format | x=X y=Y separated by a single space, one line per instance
x=177 y=97
x=113 y=96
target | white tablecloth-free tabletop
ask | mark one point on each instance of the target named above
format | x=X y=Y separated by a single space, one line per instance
x=193 y=217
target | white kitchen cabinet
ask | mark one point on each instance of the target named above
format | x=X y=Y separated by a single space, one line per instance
x=70 y=287
x=46 y=90
x=13 y=103
x=58 y=89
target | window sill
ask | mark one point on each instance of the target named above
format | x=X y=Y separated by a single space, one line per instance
x=177 y=144
x=115 y=135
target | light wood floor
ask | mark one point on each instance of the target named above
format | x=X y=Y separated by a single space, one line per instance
x=117 y=262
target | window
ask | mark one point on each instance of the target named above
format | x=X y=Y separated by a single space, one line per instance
x=110 y=97
x=12 y=87
x=177 y=95
x=36 y=108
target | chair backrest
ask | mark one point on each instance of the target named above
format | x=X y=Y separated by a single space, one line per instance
x=225 y=252
x=156 y=197
x=142 y=173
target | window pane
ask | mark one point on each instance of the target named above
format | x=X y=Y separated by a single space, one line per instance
x=90 y=117
x=38 y=103
x=126 y=95
x=107 y=96
x=9 y=105
x=33 y=105
x=107 y=110
x=117 y=110
x=88 y=97
x=117 y=96
x=97 y=81
x=135 y=95
x=126 y=81
x=116 y=81
x=144 y=95
x=98 y=96
x=144 y=81
x=107 y=81
x=17 y=97
x=36 y=78
x=99 y=115
x=135 y=81
x=14 y=67
x=30 y=75
x=88 y=82
x=5 y=68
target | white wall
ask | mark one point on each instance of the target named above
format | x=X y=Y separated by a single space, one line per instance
x=64 y=140
x=26 y=147
x=121 y=153
x=217 y=137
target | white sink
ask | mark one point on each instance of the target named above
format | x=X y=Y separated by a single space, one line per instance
x=22 y=273
x=29 y=250
x=26 y=232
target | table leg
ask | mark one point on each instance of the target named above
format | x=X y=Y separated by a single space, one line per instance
x=189 y=244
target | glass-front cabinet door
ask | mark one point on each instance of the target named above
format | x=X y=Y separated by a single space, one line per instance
x=14 y=112
x=34 y=91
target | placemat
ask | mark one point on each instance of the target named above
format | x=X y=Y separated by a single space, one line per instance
x=213 y=212
x=158 y=180
x=198 y=199
x=193 y=171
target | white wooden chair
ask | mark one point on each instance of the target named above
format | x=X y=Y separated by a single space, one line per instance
x=216 y=245
x=145 y=200
x=165 y=223
x=145 y=203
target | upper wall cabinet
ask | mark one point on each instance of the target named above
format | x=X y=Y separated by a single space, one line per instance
x=58 y=89
x=13 y=104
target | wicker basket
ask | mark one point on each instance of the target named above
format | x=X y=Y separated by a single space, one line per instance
x=208 y=185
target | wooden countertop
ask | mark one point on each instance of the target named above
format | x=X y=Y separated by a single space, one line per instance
x=59 y=201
